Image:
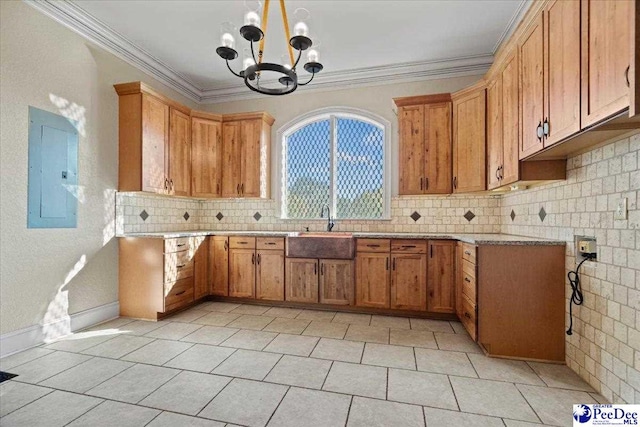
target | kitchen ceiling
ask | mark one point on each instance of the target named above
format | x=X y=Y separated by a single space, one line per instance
x=361 y=41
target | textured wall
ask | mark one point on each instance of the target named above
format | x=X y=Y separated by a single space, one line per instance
x=46 y=274
x=605 y=346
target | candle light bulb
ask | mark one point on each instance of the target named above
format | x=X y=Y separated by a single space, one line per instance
x=227 y=40
x=252 y=18
x=301 y=29
x=313 y=56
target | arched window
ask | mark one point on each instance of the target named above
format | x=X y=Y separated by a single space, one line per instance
x=336 y=157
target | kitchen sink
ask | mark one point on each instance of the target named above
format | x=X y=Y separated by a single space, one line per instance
x=321 y=245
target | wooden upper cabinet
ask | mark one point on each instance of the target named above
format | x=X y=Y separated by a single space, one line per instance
x=469 y=140
x=510 y=171
x=561 y=70
x=206 y=157
x=441 y=276
x=494 y=133
x=179 y=153
x=425 y=144
x=336 y=281
x=246 y=155
x=531 y=54
x=606 y=56
x=411 y=151
x=155 y=138
x=219 y=265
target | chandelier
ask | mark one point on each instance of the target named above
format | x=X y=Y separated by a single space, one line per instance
x=255 y=71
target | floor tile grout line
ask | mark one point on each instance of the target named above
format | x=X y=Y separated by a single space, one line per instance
x=528 y=403
x=235 y=350
x=51 y=390
x=39 y=357
x=324 y=381
x=278 y=405
x=346 y=421
x=271 y=369
x=455 y=396
x=213 y=398
x=86 y=412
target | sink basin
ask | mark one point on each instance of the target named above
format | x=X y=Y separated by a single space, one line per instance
x=321 y=245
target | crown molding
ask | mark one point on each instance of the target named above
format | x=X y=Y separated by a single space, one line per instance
x=78 y=20
x=516 y=18
x=349 y=79
x=97 y=32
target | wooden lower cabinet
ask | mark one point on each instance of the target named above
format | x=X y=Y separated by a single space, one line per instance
x=270 y=275
x=336 y=281
x=441 y=276
x=219 y=265
x=409 y=281
x=242 y=272
x=201 y=261
x=373 y=279
x=301 y=280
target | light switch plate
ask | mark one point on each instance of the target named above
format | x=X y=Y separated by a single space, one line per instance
x=621 y=209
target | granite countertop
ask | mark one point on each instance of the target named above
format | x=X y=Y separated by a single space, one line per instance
x=476 y=239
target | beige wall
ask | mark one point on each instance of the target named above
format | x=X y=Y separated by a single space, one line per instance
x=605 y=346
x=45 y=65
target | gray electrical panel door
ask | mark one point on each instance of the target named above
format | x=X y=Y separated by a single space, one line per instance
x=53 y=171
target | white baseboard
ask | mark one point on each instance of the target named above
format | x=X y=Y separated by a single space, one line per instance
x=22 y=339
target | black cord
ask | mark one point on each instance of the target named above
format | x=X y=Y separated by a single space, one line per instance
x=576 y=292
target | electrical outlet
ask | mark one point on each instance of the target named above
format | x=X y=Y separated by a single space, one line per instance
x=621 y=209
x=585 y=246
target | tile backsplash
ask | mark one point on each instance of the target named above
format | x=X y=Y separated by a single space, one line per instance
x=605 y=346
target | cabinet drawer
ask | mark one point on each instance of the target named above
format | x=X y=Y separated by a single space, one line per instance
x=469 y=253
x=178 y=294
x=238 y=242
x=178 y=244
x=274 y=243
x=468 y=318
x=373 y=245
x=469 y=280
x=409 y=246
x=177 y=265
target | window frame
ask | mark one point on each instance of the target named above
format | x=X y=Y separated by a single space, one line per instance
x=331 y=114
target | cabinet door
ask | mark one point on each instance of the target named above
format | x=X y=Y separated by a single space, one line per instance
x=441 y=276
x=219 y=265
x=411 y=151
x=458 y=279
x=231 y=159
x=270 y=275
x=372 y=279
x=206 y=158
x=251 y=158
x=409 y=282
x=510 y=172
x=606 y=46
x=155 y=137
x=180 y=153
x=301 y=280
x=469 y=142
x=336 y=281
x=201 y=260
x=494 y=132
x=438 y=146
x=242 y=272
x=531 y=54
x=562 y=70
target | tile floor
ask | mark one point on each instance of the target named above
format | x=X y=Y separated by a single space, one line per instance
x=247 y=365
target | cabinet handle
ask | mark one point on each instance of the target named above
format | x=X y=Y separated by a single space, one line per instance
x=467 y=253
x=501 y=172
x=322 y=269
x=218 y=188
x=373 y=246
x=498 y=173
x=467 y=315
x=420 y=183
x=226 y=245
x=426 y=183
x=238 y=189
x=455 y=182
x=431 y=294
x=166 y=183
x=466 y=279
x=242 y=188
x=270 y=243
x=181 y=266
x=387 y=263
x=539 y=131
x=626 y=75
x=242 y=243
x=253 y=259
x=545 y=127
x=394 y=264
x=430 y=251
x=408 y=246
x=258 y=259
x=181 y=292
x=315 y=269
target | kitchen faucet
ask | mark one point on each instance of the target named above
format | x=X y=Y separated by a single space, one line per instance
x=330 y=222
